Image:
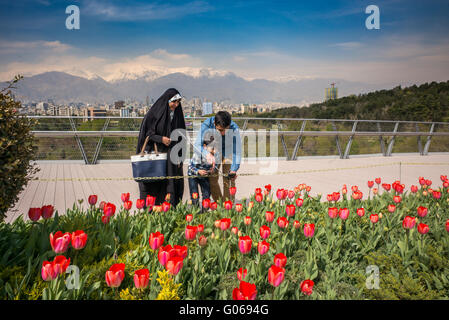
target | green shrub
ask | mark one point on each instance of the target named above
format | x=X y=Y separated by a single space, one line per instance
x=17 y=149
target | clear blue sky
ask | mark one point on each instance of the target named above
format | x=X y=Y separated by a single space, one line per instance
x=254 y=39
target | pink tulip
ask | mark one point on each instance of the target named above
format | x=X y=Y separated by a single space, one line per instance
x=60 y=242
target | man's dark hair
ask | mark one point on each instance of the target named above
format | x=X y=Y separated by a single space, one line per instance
x=223 y=119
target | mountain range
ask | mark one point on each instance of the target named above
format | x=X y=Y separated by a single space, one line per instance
x=63 y=88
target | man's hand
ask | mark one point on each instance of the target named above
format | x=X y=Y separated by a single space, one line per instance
x=166 y=141
x=202 y=172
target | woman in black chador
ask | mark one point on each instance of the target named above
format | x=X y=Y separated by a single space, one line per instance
x=163 y=117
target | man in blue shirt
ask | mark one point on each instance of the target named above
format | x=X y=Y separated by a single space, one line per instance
x=225 y=132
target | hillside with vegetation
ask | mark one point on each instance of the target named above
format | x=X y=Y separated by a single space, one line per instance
x=427 y=102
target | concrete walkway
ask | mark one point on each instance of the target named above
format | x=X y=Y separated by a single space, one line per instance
x=324 y=175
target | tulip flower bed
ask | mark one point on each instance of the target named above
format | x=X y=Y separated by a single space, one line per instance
x=277 y=244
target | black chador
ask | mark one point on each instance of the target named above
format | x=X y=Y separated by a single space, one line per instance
x=156 y=124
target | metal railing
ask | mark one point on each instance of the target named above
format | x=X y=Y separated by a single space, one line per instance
x=291 y=132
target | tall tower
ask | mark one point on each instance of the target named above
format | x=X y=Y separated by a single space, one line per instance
x=332 y=92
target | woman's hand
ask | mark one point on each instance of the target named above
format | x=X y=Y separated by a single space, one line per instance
x=166 y=141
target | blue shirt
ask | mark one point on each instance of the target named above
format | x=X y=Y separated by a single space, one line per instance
x=232 y=134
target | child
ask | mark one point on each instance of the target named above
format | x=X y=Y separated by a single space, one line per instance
x=202 y=167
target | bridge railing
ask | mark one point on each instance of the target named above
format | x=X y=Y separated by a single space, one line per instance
x=100 y=138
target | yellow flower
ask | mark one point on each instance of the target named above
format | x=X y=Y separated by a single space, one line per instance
x=170 y=290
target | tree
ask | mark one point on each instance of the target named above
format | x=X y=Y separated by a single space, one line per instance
x=17 y=149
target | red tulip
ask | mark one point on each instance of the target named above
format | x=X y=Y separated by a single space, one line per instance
x=333 y=212
x=92 y=199
x=422 y=211
x=228 y=205
x=344 y=213
x=241 y=274
x=206 y=203
x=128 y=205
x=232 y=191
x=447 y=225
x=397 y=199
x=370 y=184
x=238 y=207
x=263 y=247
x=258 y=190
x=79 y=239
x=140 y=203
x=375 y=190
x=422 y=181
x=391 y=208
x=156 y=240
x=280 y=260
x=290 y=210
x=34 y=213
x=164 y=254
x=246 y=291
x=141 y=278
x=374 y=218
x=225 y=223
x=269 y=215
x=109 y=209
x=436 y=194
x=276 y=275
x=408 y=222
x=115 y=275
x=299 y=202
x=264 y=232
x=250 y=205
x=309 y=230
x=181 y=251
x=428 y=183
x=51 y=270
x=443 y=178
x=361 y=212
x=165 y=206
x=386 y=186
x=423 y=228
x=213 y=205
x=354 y=188
x=102 y=204
x=190 y=232
x=60 y=242
x=296 y=224
x=235 y=230
x=357 y=195
x=195 y=195
x=335 y=196
x=281 y=194
x=329 y=197
x=446 y=184
x=125 y=197
x=150 y=201
x=174 y=265
x=414 y=189
x=378 y=180
x=291 y=194
x=48 y=273
x=202 y=241
x=258 y=197
x=245 y=244
x=105 y=219
x=47 y=211
x=189 y=217
x=268 y=187
x=282 y=222
x=200 y=227
x=307 y=287
x=247 y=220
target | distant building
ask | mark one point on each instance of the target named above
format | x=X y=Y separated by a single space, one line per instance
x=332 y=92
x=93 y=112
x=207 y=108
x=124 y=112
x=119 y=104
